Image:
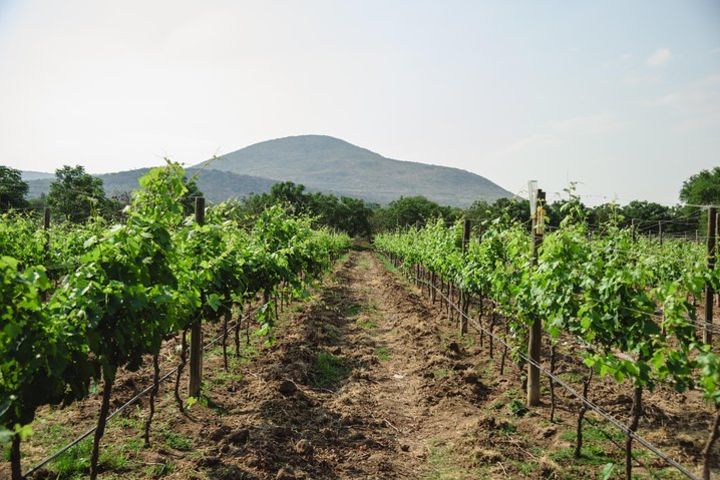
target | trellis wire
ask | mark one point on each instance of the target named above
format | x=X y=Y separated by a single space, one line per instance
x=134 y=399
x=599 y=411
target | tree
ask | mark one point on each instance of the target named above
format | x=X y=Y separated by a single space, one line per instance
x=290 y=194
x=702 y=188
x=411 y=211
x=12 y=189
x=350 y=215
x=77 y=195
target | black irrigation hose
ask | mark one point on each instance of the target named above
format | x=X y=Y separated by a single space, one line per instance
x=606 y=416
x=134 y=399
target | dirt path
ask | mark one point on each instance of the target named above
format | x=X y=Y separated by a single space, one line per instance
x=379 y=384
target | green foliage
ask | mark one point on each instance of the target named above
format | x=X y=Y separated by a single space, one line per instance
x=345 y=214
x=702 y=188
x=13 y=189
x=410 y=212
x=122 y=289
x=604 y=291
x=76 y=195
x=41 y=357
x=517 y=407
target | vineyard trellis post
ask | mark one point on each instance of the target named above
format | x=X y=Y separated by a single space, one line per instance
x=711 y=241
x=46 y=218
x=535 y=333
x=196 y=329
x=634 y=230
x=464 y=300
x=46 y=228
x=660 y=232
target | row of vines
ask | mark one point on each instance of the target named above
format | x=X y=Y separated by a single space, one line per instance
x=81 y=302
x=629 y=307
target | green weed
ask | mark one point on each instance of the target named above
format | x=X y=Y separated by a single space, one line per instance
x=329 y=370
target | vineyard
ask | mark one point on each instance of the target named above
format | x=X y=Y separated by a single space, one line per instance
x=82 y=303
x=194 y=342
x=626 y=308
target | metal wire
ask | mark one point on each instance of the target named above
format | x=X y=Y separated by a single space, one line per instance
x=592 y=406
x=134 y=399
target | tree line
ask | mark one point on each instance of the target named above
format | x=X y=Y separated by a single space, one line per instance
x=75 y=195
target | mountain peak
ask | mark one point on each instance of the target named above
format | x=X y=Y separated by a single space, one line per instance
x=325 y=163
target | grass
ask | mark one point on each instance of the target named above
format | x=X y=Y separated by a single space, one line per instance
x=75 y=463
x=526 y=468
x=387 y=264
x=366 y=324
x=383 y=354
x=441 y=373
x=329 y=370
x=593 y=434
x=445 y=464
x=159 y=470
x=517 y=408
x=222 y=378
x=177 y=441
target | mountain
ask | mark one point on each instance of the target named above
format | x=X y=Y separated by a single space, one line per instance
x=329 y=164
x=216 y=185
x=28 y=175
x=322 y=164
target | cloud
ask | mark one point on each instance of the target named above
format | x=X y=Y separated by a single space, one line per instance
x=659 y=57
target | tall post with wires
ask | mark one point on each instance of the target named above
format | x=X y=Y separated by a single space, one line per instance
x=46 y=228
x=196 y=328
x=537 y=209
x=711 y=257
x=465 y=301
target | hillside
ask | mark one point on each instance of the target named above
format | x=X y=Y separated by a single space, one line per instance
x=321 y=163
x=28 y=175
x=329 y=164
x=216 y=185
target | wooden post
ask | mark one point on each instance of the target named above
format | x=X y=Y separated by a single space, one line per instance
x=466 y=234
x=463 y=295
x=634 y=230
x=660 y=232
x=535 y=333
x=46 y=227
x=711 y=254
x=196 y=328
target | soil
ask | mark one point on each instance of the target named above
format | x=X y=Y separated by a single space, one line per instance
x=366 y=379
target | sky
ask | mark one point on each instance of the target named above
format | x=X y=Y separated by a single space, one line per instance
x=622 y=97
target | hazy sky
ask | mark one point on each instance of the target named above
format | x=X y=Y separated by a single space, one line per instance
x=622 y=96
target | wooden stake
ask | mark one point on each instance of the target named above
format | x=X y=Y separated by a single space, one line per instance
x=463 y=296
x=196 y=328
x=535 y=333
x=711 y=254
